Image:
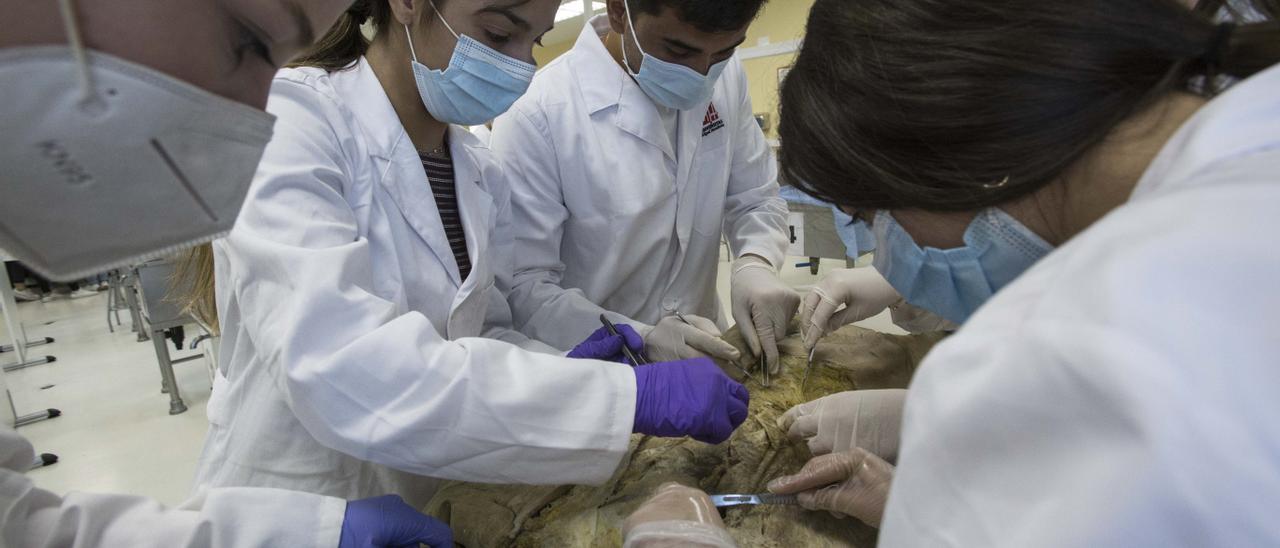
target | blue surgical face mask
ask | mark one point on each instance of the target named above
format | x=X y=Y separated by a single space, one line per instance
x=953 y=283
x=671 y=85
x=478 y=85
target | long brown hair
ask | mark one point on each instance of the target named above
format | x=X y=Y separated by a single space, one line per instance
x=192 y=287
x=952 y=105
x=345 y=42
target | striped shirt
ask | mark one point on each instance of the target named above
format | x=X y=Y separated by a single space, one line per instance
x=440 y=176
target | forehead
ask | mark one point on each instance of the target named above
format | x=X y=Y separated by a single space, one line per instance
x=667 y=22
x=540 y=14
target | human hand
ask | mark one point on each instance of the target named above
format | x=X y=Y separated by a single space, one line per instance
x=688 y=398
x=852 y=483
x=763 y=307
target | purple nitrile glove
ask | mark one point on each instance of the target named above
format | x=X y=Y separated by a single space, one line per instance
x=603 y=346
x=387 y=522
x=688 y=398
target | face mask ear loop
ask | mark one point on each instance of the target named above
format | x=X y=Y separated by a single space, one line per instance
x=77 y=50
x=412 y=51
x=446 y=23
x=408 y=34
x=631 y=26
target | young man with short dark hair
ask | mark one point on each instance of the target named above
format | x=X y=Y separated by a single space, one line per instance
x=630 y=158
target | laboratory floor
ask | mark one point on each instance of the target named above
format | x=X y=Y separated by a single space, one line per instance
x=115 y=433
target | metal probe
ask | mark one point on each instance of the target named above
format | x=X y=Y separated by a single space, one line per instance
x=626 y=350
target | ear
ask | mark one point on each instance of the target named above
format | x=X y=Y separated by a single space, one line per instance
x=405 y=12
x=617 y=10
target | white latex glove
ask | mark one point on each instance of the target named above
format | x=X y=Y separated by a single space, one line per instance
x=673 y=340
x=763 y=307
x=676 y=516
x=870 y=419
x=863 y=293
x=853 y=483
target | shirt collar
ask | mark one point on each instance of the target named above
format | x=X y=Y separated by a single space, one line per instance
x=601 y=78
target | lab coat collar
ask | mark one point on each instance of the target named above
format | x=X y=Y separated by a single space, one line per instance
x=1244 y=120
x=404 y=178
x=605 y=84
x=370 y=107
x=599 y=76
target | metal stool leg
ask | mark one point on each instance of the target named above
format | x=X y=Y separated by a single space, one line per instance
x=135 y=313
x=167 y=377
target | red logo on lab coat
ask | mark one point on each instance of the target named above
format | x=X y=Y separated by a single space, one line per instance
x=712 y=121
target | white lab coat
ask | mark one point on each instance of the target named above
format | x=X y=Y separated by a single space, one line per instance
x=351 y=361
x=609 y=217
x=31 y=517
x=1122 y=392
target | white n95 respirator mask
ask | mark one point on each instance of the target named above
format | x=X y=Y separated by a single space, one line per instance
x=104 y=162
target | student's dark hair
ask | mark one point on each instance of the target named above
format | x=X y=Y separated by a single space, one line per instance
x=345 y=41
x=706 y=15
x=954 y=105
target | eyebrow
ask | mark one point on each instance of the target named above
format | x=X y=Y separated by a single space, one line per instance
x=506 y=12
x=692 y=49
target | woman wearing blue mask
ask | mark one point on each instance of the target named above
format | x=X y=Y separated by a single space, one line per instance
x=367 y=341
x=1073 y=181
x=1075 y=184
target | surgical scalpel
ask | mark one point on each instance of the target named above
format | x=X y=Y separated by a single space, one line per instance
x=723 y=501
x=626 y=350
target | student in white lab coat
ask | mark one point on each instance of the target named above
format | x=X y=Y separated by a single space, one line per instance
x=366 y=337
x=91 y=92
x=631 y=157
x=1117 y=387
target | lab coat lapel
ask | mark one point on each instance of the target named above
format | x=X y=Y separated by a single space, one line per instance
x=476 y=206
x=407 y=183
x=402 y=175
x=690 y=143
x=638 y=116
x=604 y=84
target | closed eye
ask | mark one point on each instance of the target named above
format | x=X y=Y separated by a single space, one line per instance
x=251 y=44
x=497 y=39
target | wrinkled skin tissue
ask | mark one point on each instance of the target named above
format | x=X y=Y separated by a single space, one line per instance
x=592 y=516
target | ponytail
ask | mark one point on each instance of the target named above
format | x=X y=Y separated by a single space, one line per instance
x=345 y=43
x=1246 y=49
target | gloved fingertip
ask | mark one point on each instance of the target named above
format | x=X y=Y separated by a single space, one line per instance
x=737 y=413
x=740 y=393
x=777 y=484
x=807 y=500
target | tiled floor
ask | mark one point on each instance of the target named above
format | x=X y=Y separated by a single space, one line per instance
x=116 y=434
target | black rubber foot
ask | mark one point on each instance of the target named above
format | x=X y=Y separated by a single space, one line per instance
x=51 y=359
x=48 y=340
x=47 y=459
x=54 y=413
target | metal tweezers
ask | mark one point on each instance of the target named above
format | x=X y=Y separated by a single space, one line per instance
x=808 y=366
x=722 y=501
x=735 y=364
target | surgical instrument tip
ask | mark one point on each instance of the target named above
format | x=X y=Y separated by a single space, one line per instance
x=744 y=371
x=808 y=366
x=626 y=350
